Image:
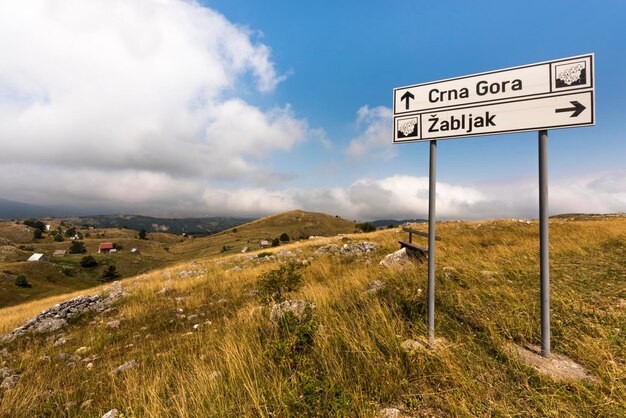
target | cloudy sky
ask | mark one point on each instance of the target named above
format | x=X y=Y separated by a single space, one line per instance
x=233 y=107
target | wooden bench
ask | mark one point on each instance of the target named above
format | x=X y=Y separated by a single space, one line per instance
x=412 y=249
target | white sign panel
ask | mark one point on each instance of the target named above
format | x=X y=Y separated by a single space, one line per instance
x=550 y=95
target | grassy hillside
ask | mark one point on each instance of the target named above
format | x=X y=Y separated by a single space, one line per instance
x=64 y=274
x=346 y=359
x=297 y=224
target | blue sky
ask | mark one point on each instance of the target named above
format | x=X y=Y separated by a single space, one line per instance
x=295 y=112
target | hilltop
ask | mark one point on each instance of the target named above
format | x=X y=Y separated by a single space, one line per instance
x=297 y=224
x=198 y=339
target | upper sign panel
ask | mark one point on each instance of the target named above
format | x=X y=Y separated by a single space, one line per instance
x=528 y=81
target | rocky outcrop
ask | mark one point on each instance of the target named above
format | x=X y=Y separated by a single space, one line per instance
x=56 y=317
x=363 y=247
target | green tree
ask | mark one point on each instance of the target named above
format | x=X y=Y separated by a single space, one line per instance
x=70 y=232
x=109 y=274
x=143 y=234
x=59 y=238
x=274 y=284
x=88 y=261
x=77 y=247
x=21 y=281
x=37 y=233
x=284 y=237
x=275 y=242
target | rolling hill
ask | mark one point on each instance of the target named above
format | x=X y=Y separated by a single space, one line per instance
x=65 y=274
x=296 y=224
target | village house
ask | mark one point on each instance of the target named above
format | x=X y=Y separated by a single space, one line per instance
x=58 y=253
x=38 y=257
x=105 y=247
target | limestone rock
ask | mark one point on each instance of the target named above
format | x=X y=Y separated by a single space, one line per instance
x=164 y=291
x=375 y=287
x=56 y=317
x=395 y=259
x=325 y=249
x=48 y=325
x=113 y=413
x=5 y=372
x=125 y=367
x=10 y=381
x=301 y=309
x=115 y=324
x=412 y=346
x=390 y=413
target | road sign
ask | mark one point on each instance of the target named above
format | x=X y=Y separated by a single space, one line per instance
x=549 y=95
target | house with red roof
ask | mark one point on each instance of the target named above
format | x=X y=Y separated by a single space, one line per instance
x=105 y=247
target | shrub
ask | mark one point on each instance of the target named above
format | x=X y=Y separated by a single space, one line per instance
x=21 y=281
x=35 y=224
x=275 y=283
x=225 y=248
x=88 y=261
x=264 y=254
x=109 y=274
x=234 y=230
x=143 y=234
x=59 y=238
x=70 y=232
x=37 y=233
x=77 y=247
x=366 y=227
x=275 y=242
x=284 y=237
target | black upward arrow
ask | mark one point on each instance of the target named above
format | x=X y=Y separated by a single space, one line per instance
x=407 y=96
x=577 y=109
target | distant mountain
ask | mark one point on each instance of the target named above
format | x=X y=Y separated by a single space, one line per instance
x=10 y=209
x=192 y=226
x=381 y=223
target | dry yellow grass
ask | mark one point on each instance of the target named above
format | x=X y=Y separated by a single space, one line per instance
x=238 y=364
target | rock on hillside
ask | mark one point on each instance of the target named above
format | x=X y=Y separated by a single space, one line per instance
x=56 y=317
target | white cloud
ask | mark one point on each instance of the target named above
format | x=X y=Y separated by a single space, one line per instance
x=146 y=85
x=396 y=197
x=375 y=138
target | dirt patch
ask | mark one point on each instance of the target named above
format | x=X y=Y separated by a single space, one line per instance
x=557 y=366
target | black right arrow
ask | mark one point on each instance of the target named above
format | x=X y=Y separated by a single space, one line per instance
x=577 y=109
x=407 y=96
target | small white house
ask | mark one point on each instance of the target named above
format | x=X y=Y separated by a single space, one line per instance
x=264 y=243
x=58 y=253
x=47 y=227
x=38 y=257
x=245 y=250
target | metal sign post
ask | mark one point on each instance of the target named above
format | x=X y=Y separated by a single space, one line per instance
x=544 y=244
x=535 y=97
x=432 y=191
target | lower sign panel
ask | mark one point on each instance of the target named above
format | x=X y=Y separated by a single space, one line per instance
x=553 y=112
